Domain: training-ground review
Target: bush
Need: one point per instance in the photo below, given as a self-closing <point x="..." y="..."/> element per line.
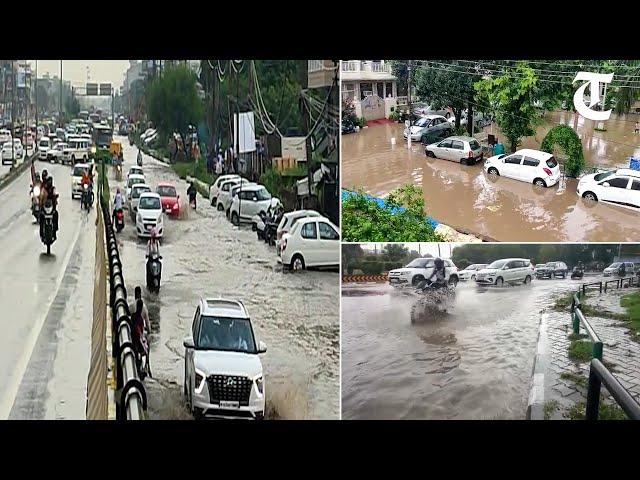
<point x="564" y="136"/>
<point x="394" y="116"/>
<point x="362" y="122"/>
<point x="371" y="268"/>
<point x="350" y="268"/>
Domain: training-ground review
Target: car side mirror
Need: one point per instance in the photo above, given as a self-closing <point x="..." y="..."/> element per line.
<point x="188" y="342"/>
<point x="606" y="184"/>
<point x="262" y="347"/>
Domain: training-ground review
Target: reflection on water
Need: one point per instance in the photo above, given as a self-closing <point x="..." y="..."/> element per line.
<point x="500" y="208"/>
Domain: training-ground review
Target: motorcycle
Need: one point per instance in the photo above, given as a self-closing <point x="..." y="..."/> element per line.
<point x="192" y="203"/>
<point x="435" y="294"/>
<point x="154" y="272"/>
<point x="86" y="201"/>
<point x="118" y="172"/>
<point x="271" y="227"/>
<point x="35" y="201"/>
<point x="119" y="220"/>
<point x="142" y="358"/>
<point x="577" y="273"/>
<point x="47" y="234"/>
<point x="139" y="159"/>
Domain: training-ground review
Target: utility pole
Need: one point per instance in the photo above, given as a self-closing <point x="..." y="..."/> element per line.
<point x="409" y="101"/>
<point x="26" y="108"/>
<point x="60" y="99"/>
<point x="13" y="109"/>
<point x="36" y="99"/>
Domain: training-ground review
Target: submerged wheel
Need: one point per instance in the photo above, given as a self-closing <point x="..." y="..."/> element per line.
<point x="494" y="171"/>
<point x="527" y="280"/>
<point x="430" y="154"/>
<point x="540" y="182"/>
<point x="499" y="282"/>
<point x="297" y="263"/>
<point x="453" y="281"/>
<point x="234" y="218"/>
<point x="590" y="196"/>
<point x="416" y="280"/>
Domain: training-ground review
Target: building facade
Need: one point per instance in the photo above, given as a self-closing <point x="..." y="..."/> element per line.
<point x="370" y="86"/>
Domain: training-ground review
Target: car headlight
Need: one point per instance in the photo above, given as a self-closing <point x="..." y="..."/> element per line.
<point x="199" y="380"/>
<point x="260" y="384"/>
<point x="139" y="218"/>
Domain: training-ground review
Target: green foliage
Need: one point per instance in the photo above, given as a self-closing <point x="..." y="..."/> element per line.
<point x="396" y="251"/>
<point x="606" y="411"/>
<point x="512" y="95"/>
<point x="194" y="169"/>
<point x="549" y="408"/>
<point x="632" y="303"/>
<point x="172" y="101"/>
<point x="371" y="268"/>
<point x="564" y="136"/>
<point x="394" y="116"/>
<point x="581" y="350"/>
<point x="351" y="253"/>
<point x="282" y="185"/>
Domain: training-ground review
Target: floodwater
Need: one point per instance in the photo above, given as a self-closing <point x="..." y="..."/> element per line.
<point x="404" y="360"/>
<point x="296" y="315"/>
<point x="503" y="209"/>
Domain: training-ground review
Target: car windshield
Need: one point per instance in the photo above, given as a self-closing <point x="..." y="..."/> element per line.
<point x="603" y="175"/>
<point x="78" y="171"/>
<point x="136" y="192"/>
<point x="551" y="264"/>
<point x="149" y="203"/>
<point x="539" y="265"/>
<point x="133" y="181"/>
<point x="615" y="265"/>
<point x="498" y="264"/>
<point x="165" y="191"/>
<point x="420" y="263"/>
<point x="230" y="334"/>
<point x="422" y="122"/>
<point x="263" y="194"/>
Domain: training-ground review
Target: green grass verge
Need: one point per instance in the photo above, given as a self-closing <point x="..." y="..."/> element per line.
<point x="580" y="350"/>
<point x="549" y="408"/>
<point x="606" y="411"/>
<point x="577" y="379"/>
<point x="632" y="303"/>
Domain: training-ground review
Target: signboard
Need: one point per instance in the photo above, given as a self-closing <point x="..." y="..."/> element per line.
<point x="294" y="147"/>
<point x="247" y="133"/>
<point x="21" y="78"/>
<point x="92" y="89"/>
<point x="105" y="89"/>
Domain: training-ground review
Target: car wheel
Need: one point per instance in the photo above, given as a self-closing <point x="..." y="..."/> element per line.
<point x="473" y="277"/>
<point x="73" y="159"/>
<point x="540" y="182"/>
<point x="494" y="171"/>
<point x="219" y="207"/>
<point x="453" y="281"/>
<point x="213" y="202"/>
<point x="590" y="196"/>
<point x="430" y="154"/>
<point x="234" y="218"/>
<point x="297" y="263"/>
<point x="527" y="280"/>
<point x="416" y="280"/>
<point x="499" y="282"/>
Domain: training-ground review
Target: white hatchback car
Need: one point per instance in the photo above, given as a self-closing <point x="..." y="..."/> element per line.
<point x="420" y="269"/>
<point x="132" y="180"/>
<point x="132" y="203"/>
<point x="55" y="153"/>
<point x="215" y="187"/>
<point x="76" y="178"/>
<point x="621" y="187"/>
<point x="223" y="376"/>
<point x="312" y="242"/>
<point x="250" y="200"/>
<point x="44" y="144"/>
<point x="287" y="222"/>
<point x="225" y="195"/>
<point x="149" y="215"/>
<point x="507" y="270"/>
<point x="459" y="149"/>
<point x="135" y="170"/>
<point x="469" y="273"/>
<point x="531" y="166"/>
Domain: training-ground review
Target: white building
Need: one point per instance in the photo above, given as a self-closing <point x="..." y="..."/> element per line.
<point x="371" y="86"/>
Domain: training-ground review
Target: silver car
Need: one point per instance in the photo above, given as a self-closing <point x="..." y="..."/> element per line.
<point x="429" y="127"/>
<point x="465" y="150"/>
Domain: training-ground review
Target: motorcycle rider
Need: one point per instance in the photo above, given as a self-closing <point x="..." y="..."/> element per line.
<point x="47" y="192"/>
<point x="117" y="204"/>
<point x="138" y="326"/>
<point x="153" y="247"/>
<point x="139" y="158"/>
<point x="86" y="180"/>
<point x="145" y="312"/>
<point x="191" y="193"/>
<point x="439" y="274"/>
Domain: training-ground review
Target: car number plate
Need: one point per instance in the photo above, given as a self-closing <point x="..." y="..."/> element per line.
<point x="227" y="404"/>
<point x="393" y="280"/>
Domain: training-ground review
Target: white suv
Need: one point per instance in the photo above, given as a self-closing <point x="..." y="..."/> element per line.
<point x="251" y="200"/>
<point x="420" y="269"/>
<point x="149" y="215"/>
<point x="469" y="273"/>
<point x="215" y="187"/>
<point x="507" y="270"/>
<point x="223" y="374"/>
<point x="531" y="166"/>
<point x="620" y="186"/>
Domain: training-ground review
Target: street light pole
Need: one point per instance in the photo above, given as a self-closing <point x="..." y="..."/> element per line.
<point x="60" y="99"/>
<point x="409" y="103"/>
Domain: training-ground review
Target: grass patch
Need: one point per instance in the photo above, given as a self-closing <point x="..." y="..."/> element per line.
<point x="606" y="411"/>
<point x="563" y="302"/>
<point x="580" y="350"/>
<point x="578" y="336"/>
<point x="549" y="408"/>
<point x="577" y="379"/>
<point x="632" y="304"/>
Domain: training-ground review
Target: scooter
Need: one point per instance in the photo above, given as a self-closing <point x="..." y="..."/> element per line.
<point x="47" y="234"/>
<point x="86" y="201"/>
<point x="154" y="272"/>
<point x="119" y="220"/>
<point x="577" y="273"/>
<point x="35" y="201"/>
<point x="118" y="172"/>
<point x="142" y="359"/>
<point x="271" y="228"/>
<point x="139" y="160"/>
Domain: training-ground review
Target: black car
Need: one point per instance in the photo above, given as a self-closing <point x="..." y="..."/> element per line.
<point x="347" y="126"/>
<point x="552" y="270"/>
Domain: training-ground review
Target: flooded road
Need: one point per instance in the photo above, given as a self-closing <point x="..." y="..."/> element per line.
<point x="401" y="360"/>
<point x="500" y="208"/>
<point x="296" y="315"/>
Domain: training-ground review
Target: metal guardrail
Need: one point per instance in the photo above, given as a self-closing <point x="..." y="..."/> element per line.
<point x="579" y="319"/>
<point x="599" y="374"/>
<point x="593" y="285"/>
<point x="131" y="396"/>
<point x="620" y="282"/>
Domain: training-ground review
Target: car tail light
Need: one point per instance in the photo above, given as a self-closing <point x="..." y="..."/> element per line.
<point x="547" y="171"/>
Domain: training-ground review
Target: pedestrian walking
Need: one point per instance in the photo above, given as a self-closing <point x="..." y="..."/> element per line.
<point x="637" y="130"/>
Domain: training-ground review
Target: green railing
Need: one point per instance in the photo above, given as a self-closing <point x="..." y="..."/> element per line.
<point x="579" y="319"/>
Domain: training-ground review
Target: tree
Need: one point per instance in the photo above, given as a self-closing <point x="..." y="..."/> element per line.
<point x="513" y="95"/>
<point x="446" y="86"/>
<point x="401" y="72"/>
<point x="42" y="98"/>
<point x="568" y="140"/>
<point x="350" y="253"/>
<point x="172" y="101"/>
<point x="395" y="251"/>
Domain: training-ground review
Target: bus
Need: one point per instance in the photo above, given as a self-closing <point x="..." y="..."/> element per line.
<point x="84" y="115"/>
<point x="102" y="136"/>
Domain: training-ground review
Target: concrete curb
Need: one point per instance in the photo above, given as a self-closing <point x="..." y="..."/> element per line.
<point x="17" y="171"/>
<point x="535" y="406"/>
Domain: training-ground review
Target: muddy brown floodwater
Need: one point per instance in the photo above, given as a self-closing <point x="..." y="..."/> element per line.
<point x="297" y="315"/>
<point x="500" y="208"/>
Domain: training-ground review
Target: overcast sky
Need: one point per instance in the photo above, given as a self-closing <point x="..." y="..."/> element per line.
<point x="100" y="71"/>
<point x="423" y="248"/>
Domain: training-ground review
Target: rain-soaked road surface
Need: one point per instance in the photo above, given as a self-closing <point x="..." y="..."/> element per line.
<point x="401" y="360"/>
<point x="46" y="305"/>
<point x="500" y="208"/>
<point x="296" y="315"/>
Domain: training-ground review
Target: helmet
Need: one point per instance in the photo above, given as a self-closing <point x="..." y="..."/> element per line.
<point x="44" y="174"/>
<point x="439" y="263"/>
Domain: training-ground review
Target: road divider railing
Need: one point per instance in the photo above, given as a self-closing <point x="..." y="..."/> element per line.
<point x="633" y="281"/>
<point x="599" y="374"/>
<point x="131" y="396"/>
<point x="578" y="320"/>
<point x="365" y="278"/>
<point x="591" y="286"/>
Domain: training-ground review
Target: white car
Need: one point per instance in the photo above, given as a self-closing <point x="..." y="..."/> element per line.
<point x="621" y="187"/>
<point x="434" y="125"/>
<point x="215" y="187"/>
<point x="131" y="181"/>
<point x="77" y="149"/>
<point x="227" y="192"/>
<point x="249" y="201"/>
<point x="469" y="273"/>
<point x="135" y="170"/>
<point x="44" y="144"/>
<point x="5" y="136"/>
<point x="459" y="149"/>
<point x="615" y="268"/>
<point x="223" y="376"/>
<point x="420" y="269"/>
<point x="149" y="215"/>
<point x="287" y="222"/>
<point x="531" y="166"/>
<point x="10" y="154"/>
<point x="507" y="270"/>
<point x="76" y="178"/>
<point x="312" y="242"/>
<point x="55" y="153"/>
<point x="137" y="189"/>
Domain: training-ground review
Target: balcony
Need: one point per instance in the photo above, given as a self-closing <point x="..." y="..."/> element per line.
<point x="365" y="66"/>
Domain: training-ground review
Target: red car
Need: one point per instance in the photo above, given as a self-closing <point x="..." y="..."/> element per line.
<point x="169" y="199"/>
